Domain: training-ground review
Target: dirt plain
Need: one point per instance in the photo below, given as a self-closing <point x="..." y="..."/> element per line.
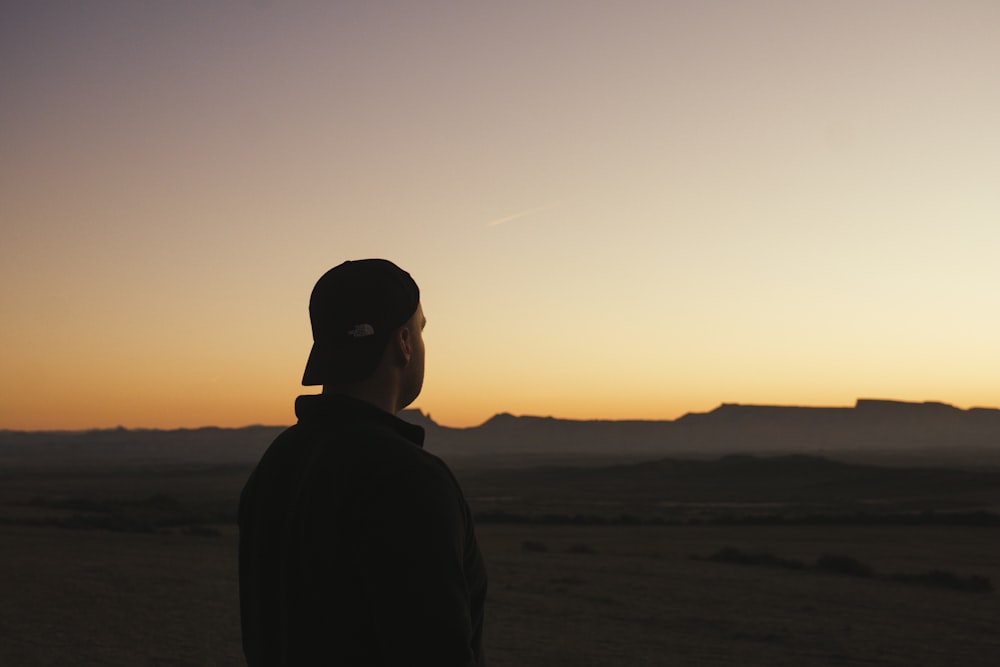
<point x="559" y="594"/>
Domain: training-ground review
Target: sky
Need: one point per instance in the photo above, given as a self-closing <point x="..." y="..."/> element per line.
<point x="614" y="210"/>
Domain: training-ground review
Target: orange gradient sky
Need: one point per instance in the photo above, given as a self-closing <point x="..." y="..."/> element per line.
<point x="614" y="210"/>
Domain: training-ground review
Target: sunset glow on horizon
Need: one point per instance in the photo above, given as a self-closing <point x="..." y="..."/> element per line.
<point x="613" y="210"/>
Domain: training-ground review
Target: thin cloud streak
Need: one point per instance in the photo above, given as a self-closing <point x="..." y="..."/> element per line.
<point x="522" y="214"/>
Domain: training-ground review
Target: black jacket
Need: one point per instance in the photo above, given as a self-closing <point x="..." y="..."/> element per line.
<point x="357" y="547"/>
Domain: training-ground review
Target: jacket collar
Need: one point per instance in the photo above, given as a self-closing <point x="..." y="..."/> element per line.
<point x="337" y="409"/>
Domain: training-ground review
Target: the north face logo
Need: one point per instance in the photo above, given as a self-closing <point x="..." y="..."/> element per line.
<point x="361" y="330"/>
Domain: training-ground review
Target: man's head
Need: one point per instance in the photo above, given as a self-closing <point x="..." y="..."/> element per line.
<point x="364" y="314"/>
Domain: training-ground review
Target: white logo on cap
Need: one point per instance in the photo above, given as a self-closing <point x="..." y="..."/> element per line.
<point x="361" y="330"/>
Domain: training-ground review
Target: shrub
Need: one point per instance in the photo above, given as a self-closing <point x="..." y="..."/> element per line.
<point x="581" y="549"/>
<point x="844" y="565"/>
<point x="733" y="555"/>
<point x="945" y="579"/>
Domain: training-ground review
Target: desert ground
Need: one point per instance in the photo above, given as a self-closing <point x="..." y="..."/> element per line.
<point x="560" y="595"/>
<point x="140" y="590"/>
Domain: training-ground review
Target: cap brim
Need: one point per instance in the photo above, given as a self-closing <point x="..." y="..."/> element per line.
<point x="318" y="361"/>
<point x="326" y="365"/>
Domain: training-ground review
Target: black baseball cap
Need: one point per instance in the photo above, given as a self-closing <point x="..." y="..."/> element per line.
<point x="354" y="308"/>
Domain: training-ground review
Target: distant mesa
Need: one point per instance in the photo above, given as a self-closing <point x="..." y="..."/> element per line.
<point x="885" y="405"/>
<point x="871" y="425"/>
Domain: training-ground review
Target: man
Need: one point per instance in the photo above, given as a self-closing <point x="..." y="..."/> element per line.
<point x="356" y="545"/>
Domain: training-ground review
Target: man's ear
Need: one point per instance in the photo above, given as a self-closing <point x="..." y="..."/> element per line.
<point x="404" y="343"/>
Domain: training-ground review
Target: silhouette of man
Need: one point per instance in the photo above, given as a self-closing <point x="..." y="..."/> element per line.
<point x="356" y="545"/>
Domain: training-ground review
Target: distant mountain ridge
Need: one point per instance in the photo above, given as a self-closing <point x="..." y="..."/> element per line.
<point x="869" y="426"/>
<point x="733" y="428"/>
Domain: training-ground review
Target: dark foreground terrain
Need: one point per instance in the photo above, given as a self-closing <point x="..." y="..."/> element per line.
<point x="137" y="565"/>
<point x="572" y="596"/>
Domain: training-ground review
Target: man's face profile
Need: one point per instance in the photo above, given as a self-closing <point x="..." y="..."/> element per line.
<point x="413" y="380"/>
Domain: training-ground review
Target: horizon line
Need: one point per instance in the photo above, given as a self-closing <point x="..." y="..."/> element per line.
<point x="428" y="416"/>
